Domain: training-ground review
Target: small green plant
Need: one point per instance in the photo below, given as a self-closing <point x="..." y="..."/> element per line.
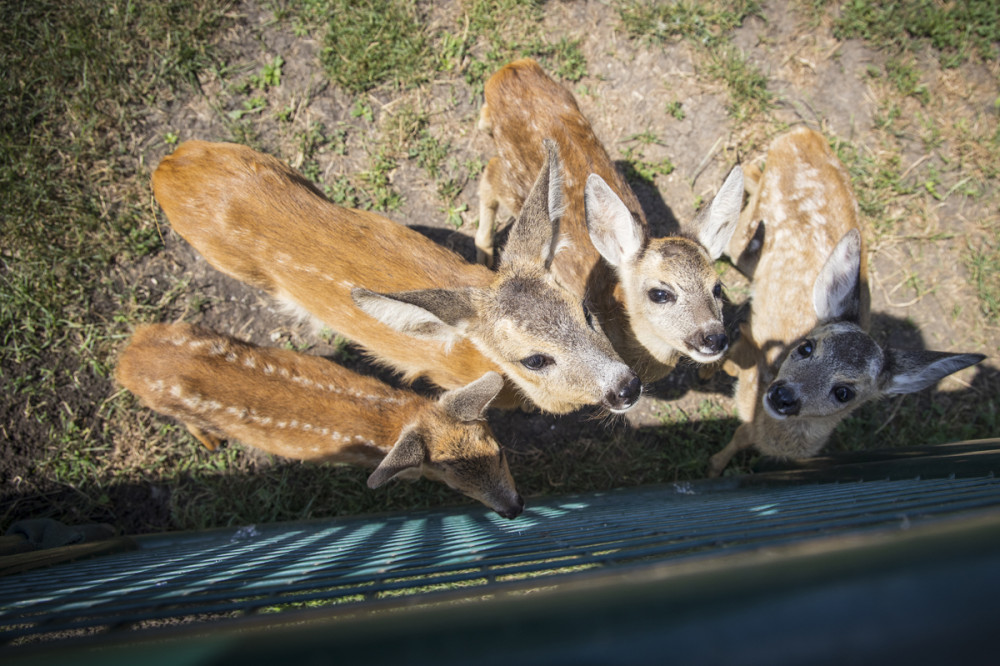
<point x="569" y="62"/>
<point x="453" y="214"/>
<point x="342" y="192"/>
<point x="675" y="110"/>
<point x="252" y="105"/>
<point x="269" y="76"/>
<point x="639" y="170"/>
<point x="362" y="109"/>
<point x="429" y="152"/>
<point x="375" y="183"/>
<point x="906" y="79"/>
<point x="171" y="138"/>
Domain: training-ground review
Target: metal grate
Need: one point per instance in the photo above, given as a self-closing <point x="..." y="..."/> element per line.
<point x="353" y="561"/>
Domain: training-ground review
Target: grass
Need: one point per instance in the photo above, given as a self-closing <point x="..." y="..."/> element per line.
<point x="398" y="86"/>
<point x="707" y="26"/>
<point x="983" y="262"/>
<point x="74" y="206"/>
<point x="373" y="42"/>
<point x="956" y="31"/>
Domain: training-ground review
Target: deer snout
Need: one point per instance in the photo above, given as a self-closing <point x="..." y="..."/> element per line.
<point x="627" y="393"/>
<point x="708" y="344"/>
<point x="514" y="510"/>
<point x="716" y="343"/>
<point x="783" y="399"/>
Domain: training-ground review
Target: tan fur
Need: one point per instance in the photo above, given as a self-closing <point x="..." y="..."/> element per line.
<point x="806" y="340"/>
<point x="523" y="106"/>
<point x="307" y="408"/>
<point x="424" y="311"/>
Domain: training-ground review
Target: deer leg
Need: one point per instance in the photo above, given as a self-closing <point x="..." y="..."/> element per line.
<point x="488" y="204"/>
<point x="210" y="441"/>
<point x="741" y="440"/>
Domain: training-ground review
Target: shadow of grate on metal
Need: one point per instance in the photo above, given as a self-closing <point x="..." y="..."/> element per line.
<point x="210" y="576"/>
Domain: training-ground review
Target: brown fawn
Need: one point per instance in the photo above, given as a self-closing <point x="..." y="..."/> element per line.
<point x="307" y="408"/>
<point x="804" y="360"/>
<point x="415" y="306"/>
<point x="656" y="298"/>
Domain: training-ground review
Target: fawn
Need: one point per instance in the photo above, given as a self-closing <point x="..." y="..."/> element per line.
<point x="307" y="408"/>
<point x="804" y="360"/>
<point x="656" y="298"/>
<point x="415" y="306"/>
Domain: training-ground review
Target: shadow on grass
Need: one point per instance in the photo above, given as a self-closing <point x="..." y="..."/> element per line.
<point x="548" y="455"/>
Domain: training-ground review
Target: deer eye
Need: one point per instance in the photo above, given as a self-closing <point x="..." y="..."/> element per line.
<point x="588" y="316"/>
<point x="662" y="296"/>
<point x="806" y="349"/>
<point x="717" y="290"/>
<point x="843" y="393"/>
<point x="537" y="361"/>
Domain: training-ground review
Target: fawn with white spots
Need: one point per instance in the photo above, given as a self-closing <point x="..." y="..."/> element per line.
<point x="804" y="360"/>
<point x="415" y="306"/>
<point x="307" y="408"/>
<point x="657" y="299"/>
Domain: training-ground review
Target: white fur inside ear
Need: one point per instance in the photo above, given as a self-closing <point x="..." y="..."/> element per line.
<point x="917" y="370"/>
<point x="404" y="317"/>
<point x="835" y="292"/>
<point x="614" y="233"/>
<point x="720" y="220"/>
<point x="557" y="202"/>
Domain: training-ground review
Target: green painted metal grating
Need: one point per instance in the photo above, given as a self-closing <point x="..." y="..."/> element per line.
<point x="232" y="573"/>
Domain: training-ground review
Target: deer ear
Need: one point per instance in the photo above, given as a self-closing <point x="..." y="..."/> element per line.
<point x="433" y="314"/>
<point x="613" y="230"/>
<point x="469" y="402"/>
<point x="911" y="371"/>
<point x="715" y="224"/>
<point x="533" y="236"/>
<point x="837" y="290"/>
<point x="407" y="453"/>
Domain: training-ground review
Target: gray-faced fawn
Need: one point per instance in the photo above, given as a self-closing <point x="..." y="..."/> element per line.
<point x="656" y="298"/>
<point x="415" y="306"/>
<point x="804" y="360"/>
<point x="307" y="408"/>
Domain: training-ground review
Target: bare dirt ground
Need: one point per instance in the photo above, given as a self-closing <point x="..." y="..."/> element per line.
<point x="921" y="290"/>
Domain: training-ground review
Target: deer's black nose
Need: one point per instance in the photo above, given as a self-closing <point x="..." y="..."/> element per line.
<point x="717" y="342"/>
<point x="514" y="510"/>
<point x="626" y="395"/>
<point x="783" y="400"/>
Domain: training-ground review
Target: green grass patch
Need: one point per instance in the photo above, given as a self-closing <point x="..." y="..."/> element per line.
<point x="501" y="31"/>
<point x="81" y="76"/>
<point x="371" y="42"/>
<point x="958" y="30"/>
<point x="877" y="181"/>
<point x="747" y="86"/>
<point x="706" y="25"/>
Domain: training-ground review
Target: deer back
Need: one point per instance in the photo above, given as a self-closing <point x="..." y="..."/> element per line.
<point x="657" y="298"/>
<point x="414" y="305"/>
<point x="805" y="359"/>
<point x="307" y="408"/>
